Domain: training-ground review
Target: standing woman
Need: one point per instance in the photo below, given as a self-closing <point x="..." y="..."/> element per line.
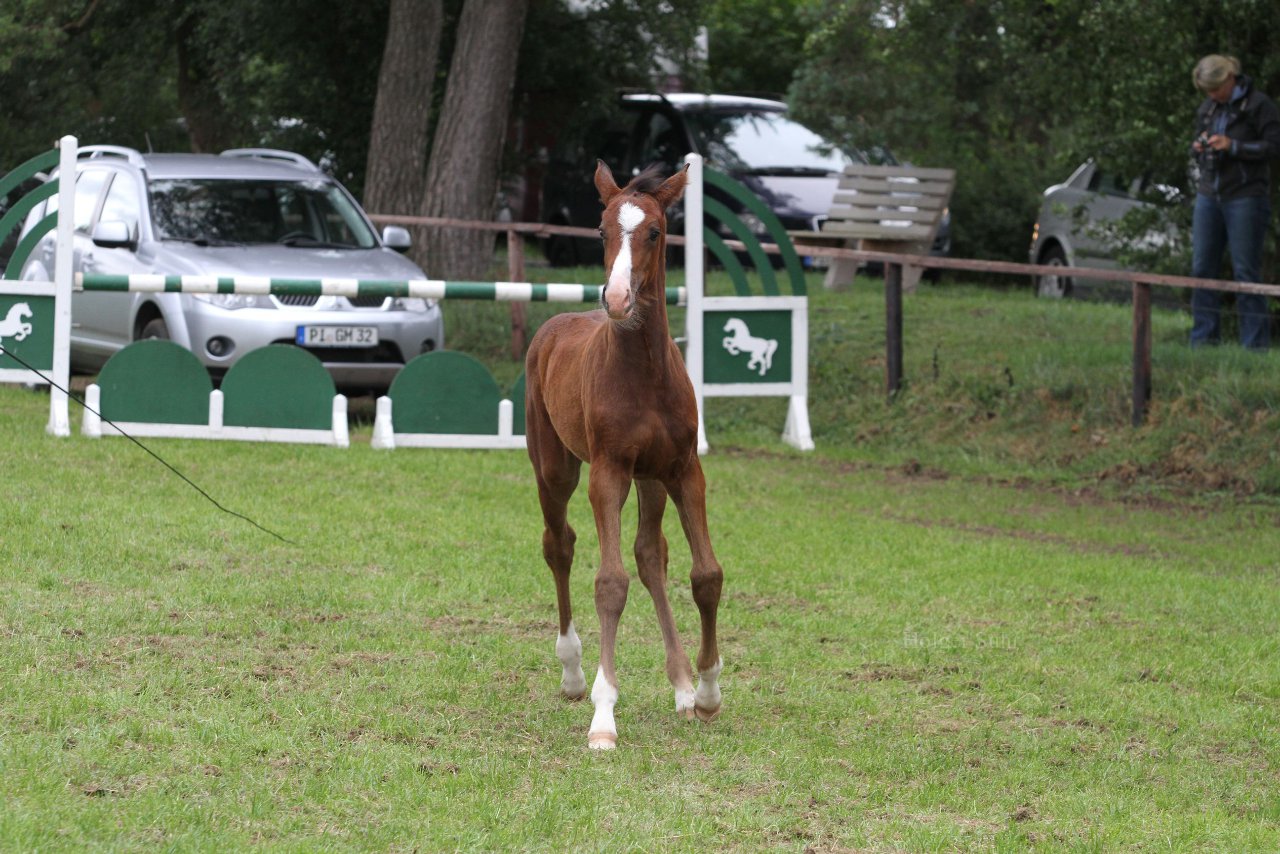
<point x="1237" y="134"/>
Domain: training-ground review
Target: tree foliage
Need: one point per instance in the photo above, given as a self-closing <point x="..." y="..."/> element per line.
<point x="754" y="46"/>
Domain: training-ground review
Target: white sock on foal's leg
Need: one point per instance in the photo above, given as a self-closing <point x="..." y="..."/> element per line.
<point x="684" y="702"/>
<point x="604" y="733"/>
<point x="573" y="682"/>
<point x="706" y="699"/>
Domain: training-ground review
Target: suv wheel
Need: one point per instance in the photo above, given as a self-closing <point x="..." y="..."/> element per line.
<point x="154" y="328"/>
<point x="1052" y="285"/>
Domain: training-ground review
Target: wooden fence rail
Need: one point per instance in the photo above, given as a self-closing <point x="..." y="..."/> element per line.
<point x="893" y="275"/>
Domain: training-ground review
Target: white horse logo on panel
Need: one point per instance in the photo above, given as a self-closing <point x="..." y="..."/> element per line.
<point x="14" y="326"/>
<point x="742" y="341"/>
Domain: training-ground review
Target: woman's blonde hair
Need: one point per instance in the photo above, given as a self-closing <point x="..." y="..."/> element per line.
<point x="1213" y="70"/>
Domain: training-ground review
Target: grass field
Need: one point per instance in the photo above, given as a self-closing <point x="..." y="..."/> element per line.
<point x="939" y="633"/>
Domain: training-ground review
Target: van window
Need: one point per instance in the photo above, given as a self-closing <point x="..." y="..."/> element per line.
<point x="662" y="142"/>
<point x="762" y="140"/>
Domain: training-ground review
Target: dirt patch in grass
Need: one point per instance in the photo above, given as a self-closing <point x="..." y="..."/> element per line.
<point x="881" y="672"/>
<point x="1018" y="534"/>
<point x="455" y="625"/>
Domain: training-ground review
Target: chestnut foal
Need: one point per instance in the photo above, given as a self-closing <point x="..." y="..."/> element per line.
<point x="609" y="388"/>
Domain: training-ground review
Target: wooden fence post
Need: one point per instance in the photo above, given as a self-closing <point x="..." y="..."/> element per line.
<point x="515" y="273"/>
<point x="1141" y="352"/>
<point x="893" y="328"/>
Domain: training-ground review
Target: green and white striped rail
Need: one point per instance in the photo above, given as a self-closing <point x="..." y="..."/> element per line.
<point x="413" y="288"/>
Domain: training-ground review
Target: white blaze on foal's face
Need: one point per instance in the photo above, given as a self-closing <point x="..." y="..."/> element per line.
<point x="617" y="288"/>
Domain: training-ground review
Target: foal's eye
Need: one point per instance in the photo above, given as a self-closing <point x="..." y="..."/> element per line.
<point x="653" y="234"/>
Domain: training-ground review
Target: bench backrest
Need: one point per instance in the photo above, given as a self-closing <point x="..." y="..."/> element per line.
<point x="889" y="202"/>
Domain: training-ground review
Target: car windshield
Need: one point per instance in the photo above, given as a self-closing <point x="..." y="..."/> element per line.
<point x="764" y="140"/>
<point x="221" y="212"/>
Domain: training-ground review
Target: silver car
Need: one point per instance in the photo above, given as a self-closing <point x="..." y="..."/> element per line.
<point x="1069" y="230"/>
<point x="255" y="212"/>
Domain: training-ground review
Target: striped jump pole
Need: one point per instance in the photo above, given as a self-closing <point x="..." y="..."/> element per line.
<point x="416" y="288"/>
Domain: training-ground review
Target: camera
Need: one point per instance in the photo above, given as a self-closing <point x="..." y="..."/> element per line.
<point x="1208" y="155"/>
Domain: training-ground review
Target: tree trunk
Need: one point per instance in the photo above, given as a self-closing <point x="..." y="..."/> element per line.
<point x="395" y="177"/>
<point x="212" y="126"/>
<point x="462" y="176"/>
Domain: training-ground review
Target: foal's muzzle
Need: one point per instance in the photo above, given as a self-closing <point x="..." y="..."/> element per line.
<point x="618" y="301"/>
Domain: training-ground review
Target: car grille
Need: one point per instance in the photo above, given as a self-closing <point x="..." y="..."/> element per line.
<point x="366" y="302"/>
<point x="297" y="299"/>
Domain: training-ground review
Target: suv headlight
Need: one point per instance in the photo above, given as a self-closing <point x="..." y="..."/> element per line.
<point x="234" y="301"/>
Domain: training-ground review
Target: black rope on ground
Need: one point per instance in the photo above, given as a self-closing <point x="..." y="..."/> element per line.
<point x="156" y="456"/>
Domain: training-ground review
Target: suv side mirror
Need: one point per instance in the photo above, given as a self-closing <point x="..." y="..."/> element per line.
<point x="397" y="238"/>
<point x="114" y="234"/>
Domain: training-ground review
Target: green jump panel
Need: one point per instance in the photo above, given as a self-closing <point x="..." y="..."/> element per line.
<point x="773" y="225"/>
<point x="445" y="392"/>
<point x="517" y="405"/>
<point x="155" y="382"/>
<point x="26" y="331"/>
<point x="278" y="386"/>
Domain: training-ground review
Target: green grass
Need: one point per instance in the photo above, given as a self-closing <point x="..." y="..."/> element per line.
<point x="938" y="633"/>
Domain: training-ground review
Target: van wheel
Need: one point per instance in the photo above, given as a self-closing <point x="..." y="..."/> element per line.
<point x="154" y="328"/>
<point x="1050" y="285"/>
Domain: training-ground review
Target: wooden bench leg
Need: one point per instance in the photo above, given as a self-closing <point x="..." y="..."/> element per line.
<point x="841" y="272"/>
<point x="910" y="275"/>
<point x="911" y="278"/>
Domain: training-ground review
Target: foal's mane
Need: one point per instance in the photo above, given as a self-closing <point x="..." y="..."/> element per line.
<point x="647" y="182"/>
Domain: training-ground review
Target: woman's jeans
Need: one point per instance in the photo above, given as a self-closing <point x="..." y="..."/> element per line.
<point x="1239" y="225"/>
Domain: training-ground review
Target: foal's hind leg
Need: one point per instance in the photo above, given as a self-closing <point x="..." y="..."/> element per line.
<point x="651" y="561"/>
<point x="689" y="493"/>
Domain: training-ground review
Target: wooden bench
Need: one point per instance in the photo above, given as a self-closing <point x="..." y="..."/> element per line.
<point x="883" y="209"/>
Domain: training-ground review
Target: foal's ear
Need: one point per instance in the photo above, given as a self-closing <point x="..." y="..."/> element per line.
<point x="672" y="188"/>
<point x="605" y="184"/>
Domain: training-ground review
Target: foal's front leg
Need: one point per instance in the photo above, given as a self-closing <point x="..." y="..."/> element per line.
<point x="608" y="490"/>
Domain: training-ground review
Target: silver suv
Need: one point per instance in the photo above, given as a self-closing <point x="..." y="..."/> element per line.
<point x="257" y="212"/>
<point x="1072" y="228"/>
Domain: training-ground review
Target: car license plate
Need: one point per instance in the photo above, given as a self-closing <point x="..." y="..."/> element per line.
<point x="337" y="336"/>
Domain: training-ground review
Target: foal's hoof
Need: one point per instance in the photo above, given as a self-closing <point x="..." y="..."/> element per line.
<point x="572" y="697"/>
<point x="602" y="740"/>
<point x="706" y="715"/>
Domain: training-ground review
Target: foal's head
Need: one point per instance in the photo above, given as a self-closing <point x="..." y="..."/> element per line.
<point x="634" y="228"/>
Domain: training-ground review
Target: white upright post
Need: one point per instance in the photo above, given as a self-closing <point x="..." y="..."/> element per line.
<point x="59" y="418"/>
<point x="384" y="436"/>
<point x="91" y="423"/>
<point x="693" y="283"/>
<point x="795" y="431"/>
<point x="341" y="433"/>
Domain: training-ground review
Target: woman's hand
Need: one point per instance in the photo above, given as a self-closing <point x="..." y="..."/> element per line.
<point x="1219" y="142"/>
